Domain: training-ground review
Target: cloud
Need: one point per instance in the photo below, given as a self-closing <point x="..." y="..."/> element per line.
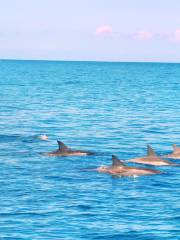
<point x="107" y="31"/>
<point x="104" y="30"/>
<point x="176" y="37"/>
<point x="143" y="35"/>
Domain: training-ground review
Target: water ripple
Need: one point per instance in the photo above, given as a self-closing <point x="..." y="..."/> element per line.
<point x="109" y="108"/>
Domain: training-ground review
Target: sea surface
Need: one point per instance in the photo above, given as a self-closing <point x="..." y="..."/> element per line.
<point x="108" y="108"/>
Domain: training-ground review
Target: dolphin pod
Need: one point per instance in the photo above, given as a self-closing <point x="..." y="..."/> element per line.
<point x="120" y="167"/>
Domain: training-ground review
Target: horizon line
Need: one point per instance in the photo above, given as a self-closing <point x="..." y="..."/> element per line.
<point x="98" y="61"/>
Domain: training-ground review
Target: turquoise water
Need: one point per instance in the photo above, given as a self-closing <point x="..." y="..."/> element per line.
<point x="109" y="108"/>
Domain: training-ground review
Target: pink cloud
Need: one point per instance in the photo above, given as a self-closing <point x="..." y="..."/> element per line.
<point x="176" y="37"/>
<point x="104" y="30"/>
<point x="143" y="35"/>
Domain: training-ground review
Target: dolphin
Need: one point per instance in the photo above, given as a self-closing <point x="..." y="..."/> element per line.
<point x="65" y="151"/>
<point x="151" y="159"/>
<point x="175" y="154"/>
<point x="119" y="167"/>
<point x="43" y="137"/>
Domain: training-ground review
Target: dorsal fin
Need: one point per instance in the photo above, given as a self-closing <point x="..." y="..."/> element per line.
<point x="62" y="146"/>
<point x="175" y="147"/>
<point x="116" y="162"/>
<point x="150" y="151"/>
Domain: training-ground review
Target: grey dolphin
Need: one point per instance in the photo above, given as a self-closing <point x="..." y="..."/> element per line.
<point x="119" y="167"/>
<point x="175" y="154"/>
<point x="152" y="159"/>
<point x="66" y="151"/>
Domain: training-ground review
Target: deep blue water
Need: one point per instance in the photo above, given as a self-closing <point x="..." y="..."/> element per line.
<point x="109" y="108"/>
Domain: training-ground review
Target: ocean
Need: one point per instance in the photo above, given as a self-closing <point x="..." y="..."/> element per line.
<point x="109" y="108"/>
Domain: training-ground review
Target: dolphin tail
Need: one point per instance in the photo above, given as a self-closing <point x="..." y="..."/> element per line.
<point x="175" y="164"/>
<point x="89" y="169"/>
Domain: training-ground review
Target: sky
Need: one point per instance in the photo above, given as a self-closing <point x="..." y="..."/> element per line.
<point x="90" y="30"/>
